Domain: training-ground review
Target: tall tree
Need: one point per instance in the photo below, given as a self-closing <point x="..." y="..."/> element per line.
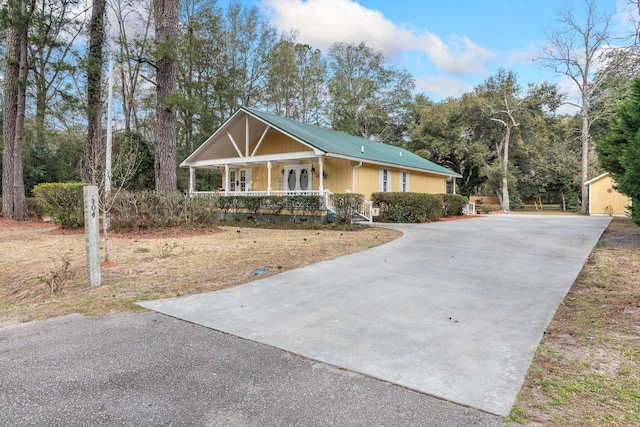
<point x="619" y="150"/>
<point x="445" y="133"/>
<point x="504" y="106"/>
<point x="575" y="50"/>
<point x="165" y="15"/>
<point x="95" y="60"/>
<point x="367" y="97"/>
<point x="55" y="26"/>
<point x="295" y="80"/>
<point x="18" y="14"/>
<point x="133" y="18"/>
<point x="200" y="50"/>
<point x="248" y="40"/>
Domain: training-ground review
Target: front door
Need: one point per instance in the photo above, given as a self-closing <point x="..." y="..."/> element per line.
<point x="240" y="180"/>
<point x="298" y="178"/>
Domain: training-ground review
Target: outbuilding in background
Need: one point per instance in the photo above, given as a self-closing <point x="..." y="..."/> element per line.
<point x="604" y="199"/>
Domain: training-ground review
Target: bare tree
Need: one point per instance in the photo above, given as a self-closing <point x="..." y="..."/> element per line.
<point x="133" y="18"/>
<point x="165" y="14"/>
<point x="576" y="50"/>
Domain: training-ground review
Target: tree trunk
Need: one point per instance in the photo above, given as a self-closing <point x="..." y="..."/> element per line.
<point x="13" y="197"/>
<point x="584" y="137"/>
<point x="91" y="172"/>
<point x="504" y="200"/>
<point x="165" y="14"/>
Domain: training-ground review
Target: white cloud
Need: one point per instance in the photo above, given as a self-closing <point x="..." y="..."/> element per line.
<point x="442" y="87"/>
<point x="323" y="22"/>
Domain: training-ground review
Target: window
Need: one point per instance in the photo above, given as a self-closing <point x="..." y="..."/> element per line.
<point x="385" y="180"/>
<point x="404" y="181"/>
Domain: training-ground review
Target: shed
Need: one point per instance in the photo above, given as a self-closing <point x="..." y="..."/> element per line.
<point x="604" y="199"/>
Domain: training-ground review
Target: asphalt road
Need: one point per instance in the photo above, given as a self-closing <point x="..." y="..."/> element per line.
<point x="148" y="369"/>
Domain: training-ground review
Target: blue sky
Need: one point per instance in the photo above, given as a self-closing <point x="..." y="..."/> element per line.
<point x="449" y="46"/>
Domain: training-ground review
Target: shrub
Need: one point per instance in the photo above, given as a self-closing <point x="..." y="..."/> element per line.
<point x="252" y="204"/>
<point x="273" y="205"/>
<point x="199" y="210"/>
<point x="453" y="204"/>
<point x="346" y="204"/>
<point x="408" y="207"/>
<point x="270" y="205"/>
<point x="489" y="208"/>
<point x="62" y="202"/>
<point x="33" y="208"/>
<point x="141" y="210"/>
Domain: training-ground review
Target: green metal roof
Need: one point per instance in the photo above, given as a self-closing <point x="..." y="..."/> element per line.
<point x="342" y="144"/>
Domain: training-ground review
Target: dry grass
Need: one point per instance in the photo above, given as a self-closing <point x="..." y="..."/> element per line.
<point x="587" y="368"/>
<point x="150" y="267"/>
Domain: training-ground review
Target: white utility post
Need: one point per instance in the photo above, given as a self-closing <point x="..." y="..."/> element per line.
<point x="92" y="233"/>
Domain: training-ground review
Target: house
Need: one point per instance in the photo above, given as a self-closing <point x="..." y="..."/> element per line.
<point x="604" y="199"/>
<point x="264" y="154"/>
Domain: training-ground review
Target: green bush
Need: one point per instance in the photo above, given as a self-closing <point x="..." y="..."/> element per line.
<point x="62" y="202"/>
<point x="199" y="210"/>
<point x="453" y="204"/>
<point x="408" y="207"/>
<point x="347" y="204"/>
<point x="488" y="208"/>
<point x="142" y="210"/>
<point x="272" y="205"/>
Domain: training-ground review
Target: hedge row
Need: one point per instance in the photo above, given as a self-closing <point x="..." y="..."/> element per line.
<point x="147" y="209"/>
<point x="269" y="205"/>
<point x="142" y="210"/>
<point x="417" y="207"/>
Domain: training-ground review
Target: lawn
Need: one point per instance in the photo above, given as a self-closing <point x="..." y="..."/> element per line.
<point x="587" y="368"/>
<point x="38" y="258"/>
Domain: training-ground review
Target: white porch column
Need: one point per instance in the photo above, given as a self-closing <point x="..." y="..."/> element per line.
<point x="454" y="185"/>
<point x="269" y="177"/>
<point x="226" y="178"/>
<point x="321" y="167"/>
<point x="192" y="180"/>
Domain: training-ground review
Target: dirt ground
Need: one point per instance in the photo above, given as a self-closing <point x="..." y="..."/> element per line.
<point x="152" y="265"/>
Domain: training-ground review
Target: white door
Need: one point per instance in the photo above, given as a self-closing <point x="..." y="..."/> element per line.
<point x="245" y="180"/>
<point x="240" y="180"/>
<point x="298" y="178"/>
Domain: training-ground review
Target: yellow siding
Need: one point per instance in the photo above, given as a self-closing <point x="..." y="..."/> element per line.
<point x="338" y="172"/>
<point x="605" y="199"/>
<point x="367" y="181"/>
<point x="275" y="142"/>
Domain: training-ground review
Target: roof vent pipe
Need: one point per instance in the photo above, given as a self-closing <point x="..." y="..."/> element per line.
<point x="362" y="148"/>
<point x="401" y="154"/>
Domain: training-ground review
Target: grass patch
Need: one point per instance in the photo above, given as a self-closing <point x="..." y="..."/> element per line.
<point x="587" y="368"/>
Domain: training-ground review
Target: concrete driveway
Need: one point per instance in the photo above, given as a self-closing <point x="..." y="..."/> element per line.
<point x="452" y="309"/>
